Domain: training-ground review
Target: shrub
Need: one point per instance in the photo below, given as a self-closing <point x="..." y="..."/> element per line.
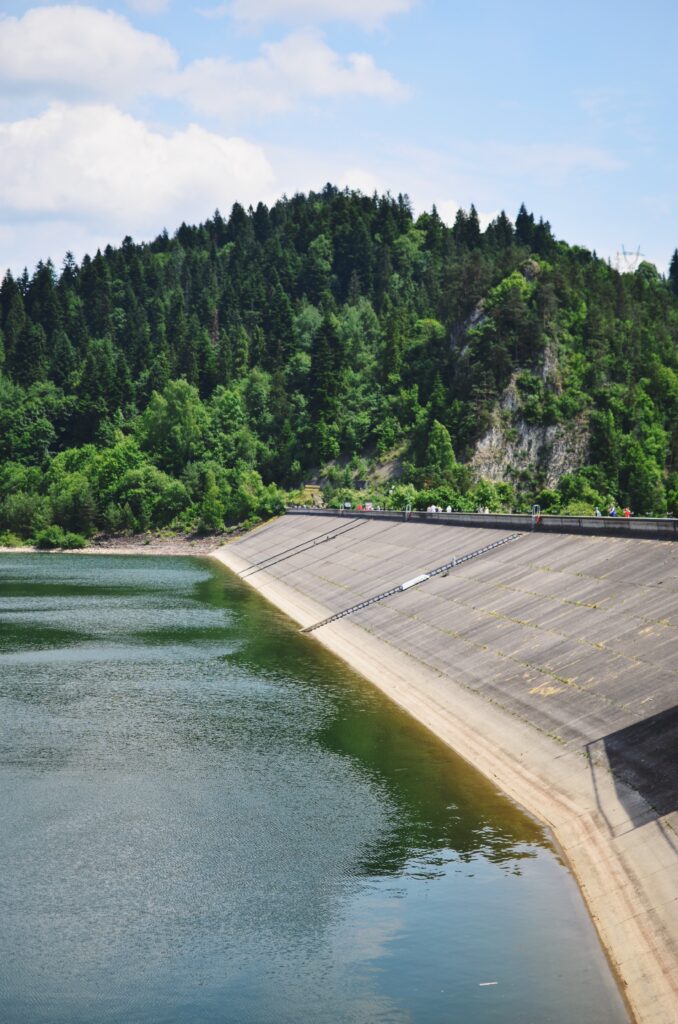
<point x="549" y="500"/>
<point x="73" y="502"/>
<point x="74" y="541"/>
<point x="23" y="513"/>
<point x="577" y="508"/>
<point x="9" y="539"/>
<point x="56" y="537"/>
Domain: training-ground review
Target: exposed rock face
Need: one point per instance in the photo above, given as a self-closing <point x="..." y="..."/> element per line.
<point x="550" y="451"/>
<point x="511" y="445"/>
<point x="530" y="270"/>
<point x="476" y="319"/>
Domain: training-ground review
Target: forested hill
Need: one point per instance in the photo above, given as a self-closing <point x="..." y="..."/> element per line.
<point x="183" y="382"/>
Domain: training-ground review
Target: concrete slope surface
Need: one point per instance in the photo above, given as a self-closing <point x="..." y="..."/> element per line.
<point x="550" y="663"/>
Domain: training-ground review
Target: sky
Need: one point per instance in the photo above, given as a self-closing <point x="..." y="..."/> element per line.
<point x="125" y="117"/>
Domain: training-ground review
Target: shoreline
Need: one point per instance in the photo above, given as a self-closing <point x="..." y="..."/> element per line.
<point x="136" y="544"/>
<point x="623" y="868"/>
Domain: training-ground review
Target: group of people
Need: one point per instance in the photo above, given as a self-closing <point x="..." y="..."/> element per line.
<point x="612" y="511"/>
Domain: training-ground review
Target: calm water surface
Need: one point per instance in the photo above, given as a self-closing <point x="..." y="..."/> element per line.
<point x="204" y="817"/>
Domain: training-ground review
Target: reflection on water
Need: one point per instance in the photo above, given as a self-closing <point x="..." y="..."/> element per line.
<point x="204" y="817"/>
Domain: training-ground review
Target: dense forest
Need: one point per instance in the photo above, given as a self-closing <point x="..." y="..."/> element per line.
<point x="202" y="379"/>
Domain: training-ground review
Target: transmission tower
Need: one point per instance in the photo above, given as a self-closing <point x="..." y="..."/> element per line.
<point x="627" y="262"/>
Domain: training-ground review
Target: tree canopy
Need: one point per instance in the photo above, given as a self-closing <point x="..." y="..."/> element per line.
<point x="188" y="380"/>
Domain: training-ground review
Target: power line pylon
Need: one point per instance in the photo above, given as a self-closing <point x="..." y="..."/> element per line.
<point x="627" y="262"/>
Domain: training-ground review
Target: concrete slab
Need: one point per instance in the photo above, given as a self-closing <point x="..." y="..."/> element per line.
<point x="552" y="664"/>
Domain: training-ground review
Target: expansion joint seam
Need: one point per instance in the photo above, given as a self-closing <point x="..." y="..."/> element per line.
<point x="503" y="656"/>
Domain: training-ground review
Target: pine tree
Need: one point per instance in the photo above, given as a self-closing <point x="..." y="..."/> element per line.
<point x="31" y="361"/>
<point x="95" y="289"/>
<point x="261" y="223"/>
<point x="500" y="231"/>
<point x="472" y="235"/>
<point x="542" y="239"/>
<point x="438" y="401"/>
<point x="14" y="320"/>
<point x="63" y="361"/>
<point x="459" y="226"/>
<point x="325" y="367"/>
<point x="440" y="458"/>
<point x="395" y="328"/>
<point x="211" y="507"/>
<point x="42" y="303"/>
<point x="673" y="272"/>
<point x="524" y="227"/>
<point x="280" y="327"/>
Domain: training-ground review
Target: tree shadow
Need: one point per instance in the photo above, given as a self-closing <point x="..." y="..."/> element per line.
<point x="645" y="757"/>
<point x="643" y="761"/>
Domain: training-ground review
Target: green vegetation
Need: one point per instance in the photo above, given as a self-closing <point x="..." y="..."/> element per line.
<point x="188" y="383"/>
<point x="55" y="537"/>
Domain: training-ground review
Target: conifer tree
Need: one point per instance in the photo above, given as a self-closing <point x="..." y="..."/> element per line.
<point x="673" y="272"/>
<point x="440" y="457"/>
<point x="325" y="367"/>
<point x="212" y="508"/>
<point x="472" y="233"/>
<point x="524" y="226"/>
<point x="14" y="321"/>
<point x="500" y="231"/>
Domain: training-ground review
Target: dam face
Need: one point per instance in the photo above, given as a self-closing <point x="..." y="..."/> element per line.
<point x="550" y="661"/>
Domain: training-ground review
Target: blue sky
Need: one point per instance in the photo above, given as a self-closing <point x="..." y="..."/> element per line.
<point x="127" y="116"/>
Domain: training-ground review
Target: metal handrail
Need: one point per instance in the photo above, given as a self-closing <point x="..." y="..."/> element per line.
<point x="637" y="527"/>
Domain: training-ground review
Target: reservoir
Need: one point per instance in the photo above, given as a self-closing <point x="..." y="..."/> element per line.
<point x="205" y="817"/>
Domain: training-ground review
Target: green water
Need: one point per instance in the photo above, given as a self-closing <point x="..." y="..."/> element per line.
<point x="206" y="818"/>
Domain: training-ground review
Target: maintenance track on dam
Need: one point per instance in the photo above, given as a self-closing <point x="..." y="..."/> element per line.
<point x="548" y="660"/>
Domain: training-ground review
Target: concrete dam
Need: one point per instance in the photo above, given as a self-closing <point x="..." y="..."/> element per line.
<point x="549" y="660"/>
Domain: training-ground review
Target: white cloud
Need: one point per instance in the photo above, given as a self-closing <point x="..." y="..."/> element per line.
<point x="148" y="6"/>
<point x="59" y="49"/>
<point x="97" y="159"/>
<point x="101" y="171"/>
<point x="361" y="179"/>
<point x="554" y="161"/>
<point x="301" y="65"/>
<point x="220" y="11"/>
<point x="447" y="208"/>
<point x="367" y="13"/>
<point x="75" y="51"/>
